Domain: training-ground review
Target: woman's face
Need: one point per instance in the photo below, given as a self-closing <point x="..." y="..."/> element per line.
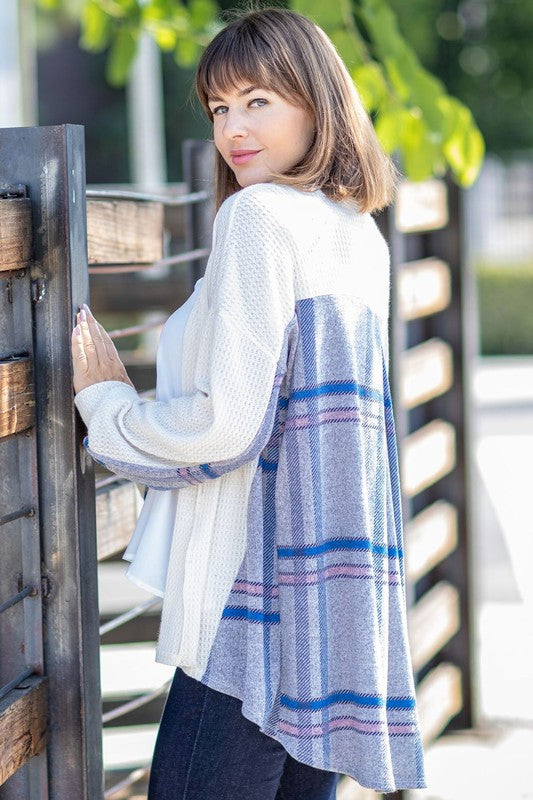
<point x="257" y="132"/>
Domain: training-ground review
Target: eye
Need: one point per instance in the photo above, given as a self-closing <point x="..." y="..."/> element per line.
<point x="216" y="110"/>
<point x="260" y="100"/>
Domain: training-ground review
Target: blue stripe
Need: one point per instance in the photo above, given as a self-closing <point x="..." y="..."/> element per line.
<point x="208" y="470"/>
<point x="344" y="544"/>
<point x="268" y="466"/>
<point x="371" y="701"/>
<point x="241" y="611"/>
<point x="337" y="388"/>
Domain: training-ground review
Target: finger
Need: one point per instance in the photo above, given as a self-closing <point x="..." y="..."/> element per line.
<point x="79" y="356"/>
<point x="104" y="346"/>
<point x="87" y="340"/>
<point x="79" y="359"/>
<point x="109" y="345"/>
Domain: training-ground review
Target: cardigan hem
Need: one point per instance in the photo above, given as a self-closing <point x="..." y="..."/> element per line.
<point x="341" y="769"/>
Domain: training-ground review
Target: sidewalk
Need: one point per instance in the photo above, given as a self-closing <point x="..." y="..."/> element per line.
<point x="494" y="762"/>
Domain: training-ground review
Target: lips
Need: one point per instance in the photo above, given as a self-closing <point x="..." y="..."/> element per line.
<point x="242" y="156"/>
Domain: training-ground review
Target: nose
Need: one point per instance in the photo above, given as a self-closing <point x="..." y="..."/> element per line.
<point x="234" y="124"/>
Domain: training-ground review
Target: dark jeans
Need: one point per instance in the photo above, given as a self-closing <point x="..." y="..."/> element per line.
<point x="207" y="750"/>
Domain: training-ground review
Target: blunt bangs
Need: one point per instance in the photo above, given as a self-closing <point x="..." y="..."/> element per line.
<point x="240" y="55"/>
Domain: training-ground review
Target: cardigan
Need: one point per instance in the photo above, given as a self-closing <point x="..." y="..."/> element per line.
<point x="283" y="448"/>
<point x="151" y="541"/>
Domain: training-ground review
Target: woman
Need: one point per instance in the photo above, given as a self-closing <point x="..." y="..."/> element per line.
<point x="282" y="564"/>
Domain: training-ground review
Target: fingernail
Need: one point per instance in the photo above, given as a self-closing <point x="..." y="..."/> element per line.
<point x="77" y="330"/>
<point x="86" y="308"/>
<point x="82" y="315"/>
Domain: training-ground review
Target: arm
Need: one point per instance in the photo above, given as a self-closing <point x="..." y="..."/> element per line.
<point x="226" y="419"/>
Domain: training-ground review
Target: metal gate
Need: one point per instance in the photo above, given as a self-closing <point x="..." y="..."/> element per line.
<point x="49" y="643"/>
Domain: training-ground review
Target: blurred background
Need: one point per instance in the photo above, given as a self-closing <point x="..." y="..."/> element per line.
<point x="137" y="108"/>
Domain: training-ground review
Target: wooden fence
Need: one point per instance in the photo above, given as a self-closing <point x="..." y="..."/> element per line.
<point x="58" y="522"/>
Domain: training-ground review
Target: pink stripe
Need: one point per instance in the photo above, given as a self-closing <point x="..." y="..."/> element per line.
<point x="338" y="723"/>
<point x="256" y="589"/>
<point x="334" y="571"/>
<point x="328" y="415"/>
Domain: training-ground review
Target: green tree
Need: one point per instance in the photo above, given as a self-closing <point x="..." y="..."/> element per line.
<point x="482" y="51"/>
<point x="414" y="115"/>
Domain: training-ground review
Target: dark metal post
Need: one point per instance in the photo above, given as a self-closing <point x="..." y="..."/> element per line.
<point x="454" y="325"/>
<point x="199" y="169"/>
<point x="51" y="162"/>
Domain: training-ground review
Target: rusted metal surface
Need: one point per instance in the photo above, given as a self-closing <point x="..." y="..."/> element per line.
<point x="52" y="163"/>
<point x="21" y="655"/>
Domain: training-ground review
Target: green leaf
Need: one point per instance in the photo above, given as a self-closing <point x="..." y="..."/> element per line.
<point x="371" y="85"/>
<point x="95" y="28"/>
<point x="421" y="156"/>
<point x="388" y="128"/>
<point x="202" y="13"/>
<point x="327" y="14"/>
<point x="121" y="56"/>
<point x="464" y="147"/>
<point x="187" y="52"/>
<point x="348" y="47"/>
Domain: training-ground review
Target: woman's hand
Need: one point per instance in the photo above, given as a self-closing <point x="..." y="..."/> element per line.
<point x="94" y="356"/>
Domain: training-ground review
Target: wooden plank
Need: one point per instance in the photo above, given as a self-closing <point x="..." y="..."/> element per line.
<point x="430" y="537"/>
<point x="432" y="622"/>
<point x="421" y="206"/>
<point x="15" y="233"/>
<point x="22" y="725"/>
<point x="426" y="456"/>
<point x="426" y="371"/>
<point x="17" y="398"/>
<point x="439" y="698"/>
<point x="124" y="231"/>
<point x="424" y="287"/>
<point x="117" y="509"/>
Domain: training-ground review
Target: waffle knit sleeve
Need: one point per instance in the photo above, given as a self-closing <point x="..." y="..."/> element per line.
<point x="226" y="419"/>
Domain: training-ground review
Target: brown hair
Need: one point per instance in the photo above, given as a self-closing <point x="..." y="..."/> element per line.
<point x="282" y="50"/>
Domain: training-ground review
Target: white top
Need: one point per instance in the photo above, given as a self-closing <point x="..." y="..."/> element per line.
<point x="272" y="246"/>
<point x="149" y="547"/>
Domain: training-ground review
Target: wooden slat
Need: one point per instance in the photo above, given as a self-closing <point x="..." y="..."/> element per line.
<point x="424" y="287"/>
<point x="117" y="510"/>
<point x="426" y="371"/>
<point x="15" y="233"/>
<point x="421" y="206"/>
<point x="124" y="231"/>
<point x="433" y="621"/>
<point x="426" y="456"/>
<point x="439" y="698"/>
<point x="17" y="398"/>
<point x="430" y="537"/>
<point x="22" y="725"/>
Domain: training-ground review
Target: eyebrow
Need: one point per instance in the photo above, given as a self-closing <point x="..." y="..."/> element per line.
<point x="213" y="99"/>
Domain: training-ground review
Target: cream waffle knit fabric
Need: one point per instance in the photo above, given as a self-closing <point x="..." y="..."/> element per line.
<point x="272" y="245"/>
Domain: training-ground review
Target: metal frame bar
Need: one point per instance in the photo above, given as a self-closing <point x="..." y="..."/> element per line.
<point x="131" y="705"/>
<point x="127" y="616"/>
<point x="51" y="160"/>
<point x="7" y="687"/>
<point x="166" y="200"/>
<point x="28" y="591"/>
<point x="27" y="511"/>
<point x="134" y="777"/>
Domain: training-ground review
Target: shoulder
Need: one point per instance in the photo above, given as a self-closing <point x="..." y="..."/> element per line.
<point x="262" y="204"/>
